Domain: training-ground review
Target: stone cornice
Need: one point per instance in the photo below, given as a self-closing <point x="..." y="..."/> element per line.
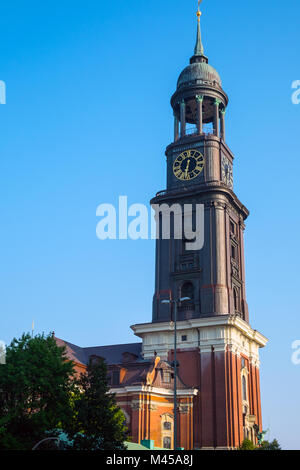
<point x="154" y="391"/>
<point x="217" y="188"/>
<point x="220" y="334"/>
<point x="220" y="320"/>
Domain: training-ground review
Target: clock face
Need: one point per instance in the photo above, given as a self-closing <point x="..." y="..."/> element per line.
<point x="188" y="165"/>
<point x="227" y="172"/>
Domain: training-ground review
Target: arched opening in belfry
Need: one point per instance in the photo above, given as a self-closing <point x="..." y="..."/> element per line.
<point x="187" y="290"/>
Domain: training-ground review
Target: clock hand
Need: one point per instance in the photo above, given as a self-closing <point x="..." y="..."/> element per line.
<point x="187" y="167"/>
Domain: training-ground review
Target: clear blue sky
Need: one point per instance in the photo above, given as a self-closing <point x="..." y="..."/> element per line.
<point x="87" y="119"/>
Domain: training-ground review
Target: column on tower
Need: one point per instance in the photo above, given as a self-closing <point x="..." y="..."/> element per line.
<point x="176" y="128"/>
<point x="182" y="119"/>
<point x="222" y="115"/>
<point x="221" y="291"/>
<point x="217" y="117"/>
<point x="199" y="99"/>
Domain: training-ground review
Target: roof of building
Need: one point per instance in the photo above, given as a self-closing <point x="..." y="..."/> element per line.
<point x="134" y="446"/>
<point x="128" y="357"/>
<point x="112" y="354"/>
<point x="197" y="73"/>
<point x="73" y="352"/>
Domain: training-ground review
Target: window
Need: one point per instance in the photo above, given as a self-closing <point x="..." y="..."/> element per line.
<point x="244" y="386"/>
<point x="233" y="251"/>
<point x="167" y="431"/>
<point x="187" y="290"/>
<point x="167" y="443"/>
<point x="184" y="338"/>
<point x="167" y="376"/>
<point x="232" y="227"/>
<point x="116" y="377"/>
<point x="236" y="299"/>
<point x="187" y="266"/>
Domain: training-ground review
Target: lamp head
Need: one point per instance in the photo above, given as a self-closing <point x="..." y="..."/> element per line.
<point x="184" y="299"/>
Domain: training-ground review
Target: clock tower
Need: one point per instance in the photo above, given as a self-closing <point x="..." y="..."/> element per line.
<point x="200" y="171"/>
<point x="218" y="351"/>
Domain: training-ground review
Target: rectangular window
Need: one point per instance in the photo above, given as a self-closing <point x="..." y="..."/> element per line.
<point x="167" y="377"/>
<point x="116" y="377"/>
<point x="184" y="338"/>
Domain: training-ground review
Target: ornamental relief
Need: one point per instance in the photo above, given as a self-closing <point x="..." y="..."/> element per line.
<point x="184" y="409"/>
<point x="136" y="406"/>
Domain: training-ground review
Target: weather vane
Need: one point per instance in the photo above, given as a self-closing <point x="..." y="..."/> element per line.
<point x="199" y="12"/>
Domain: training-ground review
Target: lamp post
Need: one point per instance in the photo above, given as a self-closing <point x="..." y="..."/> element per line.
<point x="56" y="439"/>
<point x="175" y="303"/>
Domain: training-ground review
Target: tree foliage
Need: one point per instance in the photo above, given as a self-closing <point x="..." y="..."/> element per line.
<point x="99" y="423"/>
<point x="266" y="445"/>
<point x="36" y="385"/>
<point x="248" y="445"/>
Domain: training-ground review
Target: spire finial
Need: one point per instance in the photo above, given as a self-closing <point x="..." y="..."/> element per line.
<point x="199" y="46"/>
<point x="199" y="13"/>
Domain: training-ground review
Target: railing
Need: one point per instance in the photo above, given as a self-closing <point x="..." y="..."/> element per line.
<point x="188" y="308"/>
<point x="191" y="130"/>
<point x="179" y="190"/>
<point x="207" y="130"/>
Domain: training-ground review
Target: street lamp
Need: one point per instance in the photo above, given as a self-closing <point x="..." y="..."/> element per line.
<point x="175" y="302"/>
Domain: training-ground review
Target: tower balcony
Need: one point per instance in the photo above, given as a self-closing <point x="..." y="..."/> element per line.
<point x="207" y="130"/>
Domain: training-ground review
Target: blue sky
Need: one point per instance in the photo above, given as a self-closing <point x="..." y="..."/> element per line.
<point x="88" y="118"/>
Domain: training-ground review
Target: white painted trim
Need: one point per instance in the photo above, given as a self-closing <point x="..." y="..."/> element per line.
<point x="220" y="320"/>
<point x="223" y="333"/>
<point x="154" y="391"/>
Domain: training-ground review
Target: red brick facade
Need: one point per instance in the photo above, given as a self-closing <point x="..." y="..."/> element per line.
<point x="218" y="386"/>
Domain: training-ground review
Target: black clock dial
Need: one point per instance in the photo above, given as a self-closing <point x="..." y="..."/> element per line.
<point x="188" y="165"/>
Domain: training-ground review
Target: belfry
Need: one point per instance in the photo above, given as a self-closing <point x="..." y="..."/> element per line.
<point x="218" y="385"/>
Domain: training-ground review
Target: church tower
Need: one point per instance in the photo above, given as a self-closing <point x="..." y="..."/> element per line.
<point x="200" y="171"/>
<point x="218" y="351"/>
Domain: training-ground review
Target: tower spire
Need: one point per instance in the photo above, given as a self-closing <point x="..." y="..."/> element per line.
<point x="199" y="50"/>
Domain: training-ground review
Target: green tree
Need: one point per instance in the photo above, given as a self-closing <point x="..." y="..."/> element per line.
<point x="36" y="386"/>
<point x="99" y="423"/>
<point x="247" y="445"/>
<point x="266" y="445"/>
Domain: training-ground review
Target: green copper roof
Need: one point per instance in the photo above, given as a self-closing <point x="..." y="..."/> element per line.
<point x="198" y="73"/>
<point x="199" y="50"/>
<point x="134" y="446"/>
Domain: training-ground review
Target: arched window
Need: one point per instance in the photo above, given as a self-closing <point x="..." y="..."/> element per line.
<point x="244" y="387"/>
<point x="187" y="290"/>
<point x="167" y="431"/>
<point x="167" y="442"/>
